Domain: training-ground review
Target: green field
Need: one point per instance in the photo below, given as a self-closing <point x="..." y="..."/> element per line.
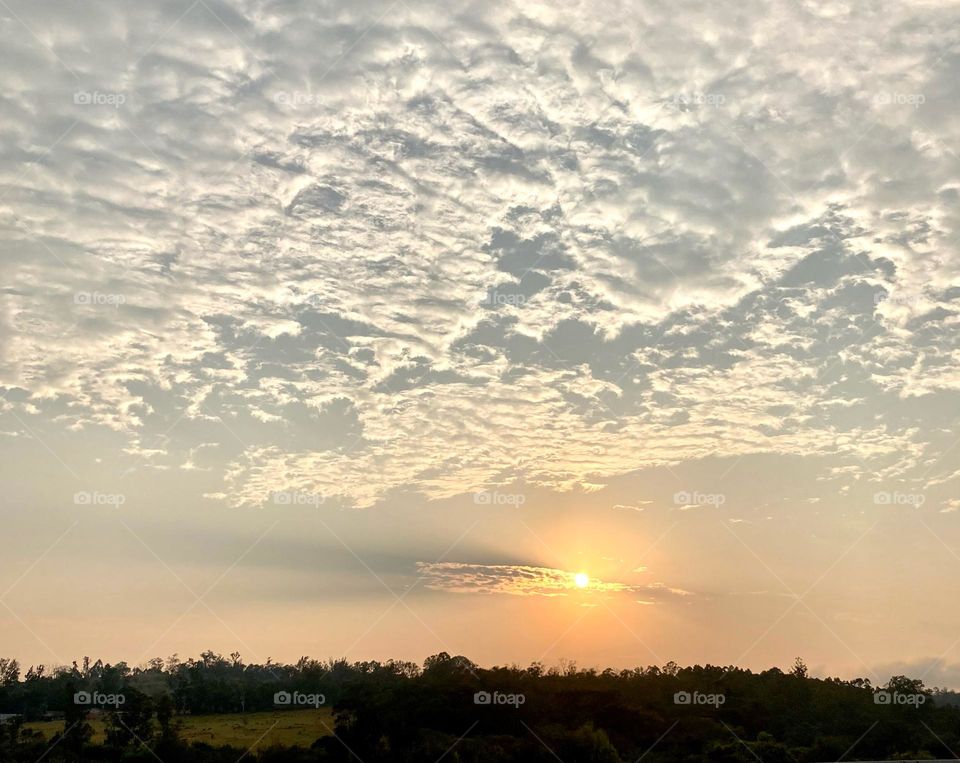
<point x="243" y="730"/>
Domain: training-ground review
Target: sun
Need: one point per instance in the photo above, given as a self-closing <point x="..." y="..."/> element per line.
<point x="581" y="579"/>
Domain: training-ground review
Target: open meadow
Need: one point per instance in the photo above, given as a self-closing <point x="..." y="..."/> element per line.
<point x="244" y="730"/>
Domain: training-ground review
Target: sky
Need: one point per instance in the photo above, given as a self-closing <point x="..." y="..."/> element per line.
<point x="358" y="329"/>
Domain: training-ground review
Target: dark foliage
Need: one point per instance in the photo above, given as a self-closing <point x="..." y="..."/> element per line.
<point x="395" y="712"/>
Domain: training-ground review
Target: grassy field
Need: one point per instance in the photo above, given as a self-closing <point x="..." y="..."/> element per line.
<point x="244" y="730"/>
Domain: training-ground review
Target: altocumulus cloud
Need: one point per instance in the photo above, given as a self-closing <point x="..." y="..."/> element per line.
<point x="353" y="248"/>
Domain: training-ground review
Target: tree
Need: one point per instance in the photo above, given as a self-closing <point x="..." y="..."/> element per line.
<point x="799" y="669"/>
<point x="131" y="725"/>
<point x="9" y="672"/>
<point x="76" y="731"/>
<point x="589" y="745"/>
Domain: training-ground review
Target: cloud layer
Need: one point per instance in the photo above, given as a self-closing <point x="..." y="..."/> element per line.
<point x="524" y="580"/>
<point x="357" y="250"/>
<point x="514" y="260"/>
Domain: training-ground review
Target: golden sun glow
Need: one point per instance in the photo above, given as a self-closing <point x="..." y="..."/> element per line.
<point x="581" y="579"/>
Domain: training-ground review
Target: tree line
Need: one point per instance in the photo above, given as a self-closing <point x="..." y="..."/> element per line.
<point x="450" y="708"/>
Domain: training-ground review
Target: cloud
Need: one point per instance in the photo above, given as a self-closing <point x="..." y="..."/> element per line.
<point x="522" y="580"/>
<point x="385" y="258"/>
<point x="492" y="245"/>
<point x="933" y="671"/>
